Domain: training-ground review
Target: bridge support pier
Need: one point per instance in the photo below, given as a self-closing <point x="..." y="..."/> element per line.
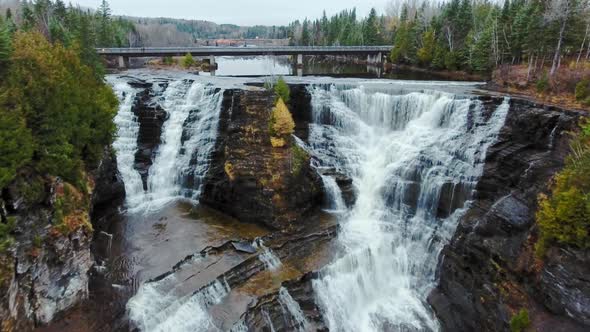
<point x="378" y="59"/>
<point x="123" y="62"/>
<point x="212" y="65"/>
<point x="299" y="60"/>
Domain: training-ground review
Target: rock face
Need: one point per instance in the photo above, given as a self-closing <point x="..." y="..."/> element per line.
<point x="151" y="118"/>
<point x="45" y="272"/>
<point x="489" y="270"/>
<point x="248" y="178"/>
<point x="109" y="189"/>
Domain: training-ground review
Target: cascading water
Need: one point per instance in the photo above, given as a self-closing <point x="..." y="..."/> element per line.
<point x="187" y="140"/>
<point x="125" y="144"/>
<point x="291" y="309"/>
<point x="192" y="126"/>
<point x="414" y="159"/>
<point x="159" y="307"/>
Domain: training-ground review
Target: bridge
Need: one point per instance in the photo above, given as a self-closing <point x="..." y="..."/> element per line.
<point x="374" y="53"/>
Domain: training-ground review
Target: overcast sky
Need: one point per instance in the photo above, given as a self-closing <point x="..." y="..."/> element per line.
<point x="241" y="12"/>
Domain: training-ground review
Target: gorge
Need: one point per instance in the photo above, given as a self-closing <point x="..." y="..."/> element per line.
<point x="398" y="206"/>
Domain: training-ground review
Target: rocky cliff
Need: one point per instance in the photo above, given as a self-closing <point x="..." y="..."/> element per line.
<point x="45" y="269"/>
<point x="248" y="178"/>
<point x="489" y="271"/>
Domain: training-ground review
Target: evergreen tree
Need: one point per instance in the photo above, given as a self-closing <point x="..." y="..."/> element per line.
<point x="371" y="34"/>
<point x="426" y="52"/>
<point x="4" y="44"/>
<point x="105" y="31"/>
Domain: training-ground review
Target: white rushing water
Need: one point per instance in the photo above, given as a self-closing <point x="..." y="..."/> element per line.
<point x="157" y="307"/>
<point x="291" y="309"/>
<point x="407" y="155"/>
<point x="125" y="144"/>
<point x="270" y="260"/>
<point x="172" y="165"/>
<point x="188" y="137"/>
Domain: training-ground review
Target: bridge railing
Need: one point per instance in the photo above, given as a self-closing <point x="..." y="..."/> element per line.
<point x="242" y="49"/>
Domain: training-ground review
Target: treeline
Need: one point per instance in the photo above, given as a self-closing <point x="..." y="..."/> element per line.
<point x="480" y="35"/>
<point x="344" y="28"/>
<point x="162" y="32"/>
<point x="57" y="112"/>
<point x="68" y="24"/>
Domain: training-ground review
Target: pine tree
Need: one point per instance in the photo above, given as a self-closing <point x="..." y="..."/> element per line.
<point x="371" y="34"/>
<point x="426" y="52"/>
<point x="105" y="31"/>
<point x="4" y="44"/>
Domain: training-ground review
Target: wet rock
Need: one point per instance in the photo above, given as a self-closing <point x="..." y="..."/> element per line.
<point x="248" y="178"/>
<point x="345" y="184"/>
<point x="109" y="190"/>
<point x="151" y="117"/>
<point x="565" y="283"/>
<point x="45" y="272"/>
<point x="488" y="271"/>
<point x="244" y="247"/>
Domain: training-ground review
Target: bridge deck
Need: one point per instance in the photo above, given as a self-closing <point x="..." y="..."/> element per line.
<point x="242" y="51"/>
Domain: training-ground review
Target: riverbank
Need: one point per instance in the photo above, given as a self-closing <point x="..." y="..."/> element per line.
<point x="537" y="86"/>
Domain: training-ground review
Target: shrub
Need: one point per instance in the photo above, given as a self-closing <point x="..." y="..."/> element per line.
<point x="188" y="61"/>
<point x="71" y="211"/>
<point x="229" y="170"/>
<point x="282" y="90"/>
<point x="583" y="91"/>
<point x="543" y="83"/>
<point x="281" y="121"/>
<point x="168" y="61"/>
<point x="520" y="321"/>
<point x="6" y="239"/>
<point x="300" y="158"/>
<point x="277" y="142"/>
<point x="564" y="216"/>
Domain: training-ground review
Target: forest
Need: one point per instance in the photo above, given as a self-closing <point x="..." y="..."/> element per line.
<point x="56" y="109"/>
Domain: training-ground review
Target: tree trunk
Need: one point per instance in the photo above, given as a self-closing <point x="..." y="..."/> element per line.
<point x="528" y="72"/>
<point x="583" y="42"/>
<point x="556" y="57"/>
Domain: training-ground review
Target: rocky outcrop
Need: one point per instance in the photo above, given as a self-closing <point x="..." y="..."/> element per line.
<point x="248" y="178"/>
<point x="151" y="117"/>
<point x="489" y="270"/>
<point x="109" y="189"/>
<point x="45" y="270"/>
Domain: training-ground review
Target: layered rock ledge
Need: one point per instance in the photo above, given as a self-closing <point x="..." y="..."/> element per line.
<point x="489" y="270"/>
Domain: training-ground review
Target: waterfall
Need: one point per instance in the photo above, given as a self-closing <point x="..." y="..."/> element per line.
<point x="158" y="307"/>
<point x="415" y="159"/>
<point x="290" y="308"/>
<point x="187" y="141"/>
<point x="125" y="144"/>
<point x="192" y="126"/>
<point x="333" y="194"/>
<point x="270" y="260"/>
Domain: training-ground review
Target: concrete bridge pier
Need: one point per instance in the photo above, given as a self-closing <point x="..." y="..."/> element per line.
<point x="299" y="60"/>
<point x="212" y="65"/>
<point x="123" y="62"/>
<point x="375" y="59"/>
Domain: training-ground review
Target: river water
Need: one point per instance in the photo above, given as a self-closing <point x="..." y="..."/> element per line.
<point x="414" y="150"/>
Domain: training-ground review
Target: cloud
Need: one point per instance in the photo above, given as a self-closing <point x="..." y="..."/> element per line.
<point x="244" y="12"/>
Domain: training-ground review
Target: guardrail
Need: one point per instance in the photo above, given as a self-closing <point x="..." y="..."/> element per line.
<point x="215" y="50"/>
